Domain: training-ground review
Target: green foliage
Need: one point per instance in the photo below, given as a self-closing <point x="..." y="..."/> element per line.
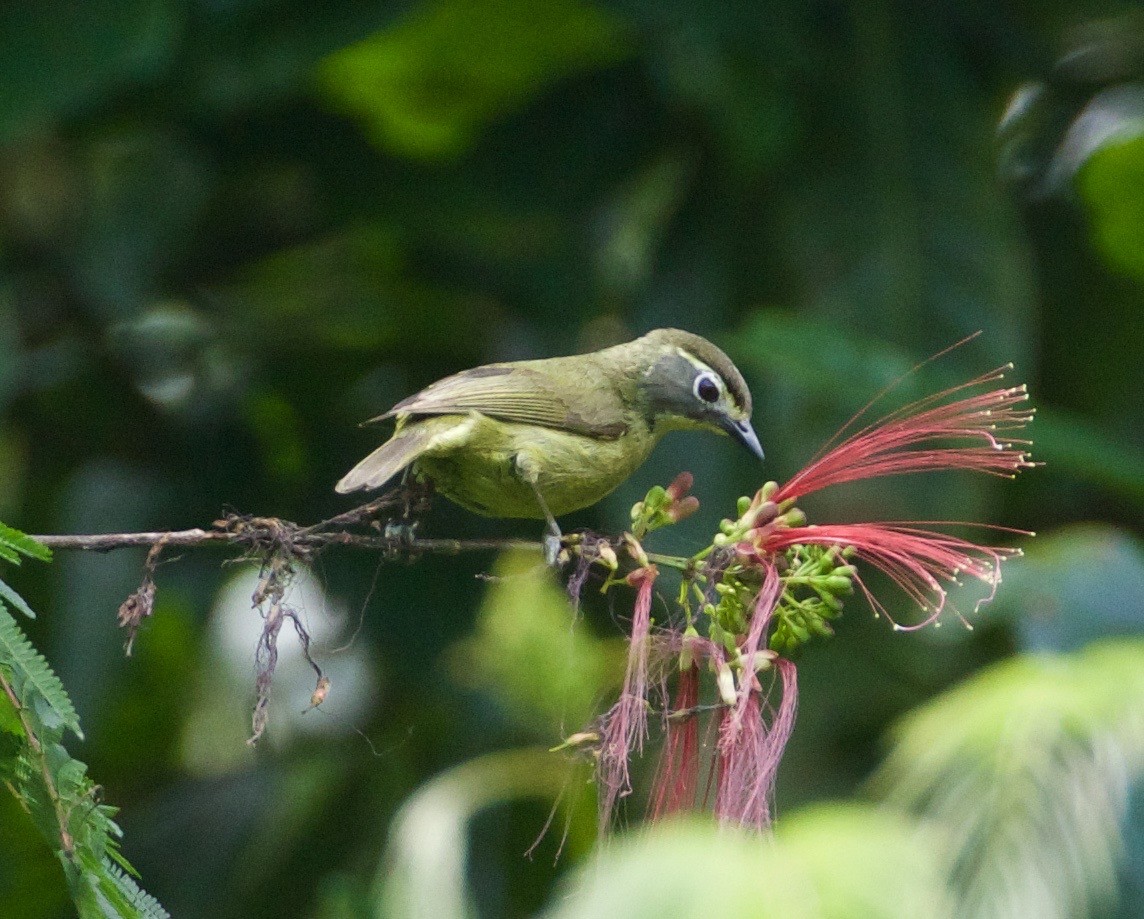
<point x="814" y="579"/>
<point x="54" y="788"/>
<point x="546" y="673"/>
<point x="1026" y="768"/>
<point x="32" y="680"/>
<point x="1072" y="587"/>
<point x="815" y="582"/>
<point x="419" y="89"/>
<point x="423" y="873"/>
<point x="13" y="544"/>
<point x="1112" y="184"/>
<point x="210" y="212"/>
<point x="833" y="861"/>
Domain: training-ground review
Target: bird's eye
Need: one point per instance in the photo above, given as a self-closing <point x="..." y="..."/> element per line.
<point x="706" y="388"/>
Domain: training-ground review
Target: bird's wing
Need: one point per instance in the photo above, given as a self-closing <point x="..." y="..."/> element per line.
<point x="512" y="393"/>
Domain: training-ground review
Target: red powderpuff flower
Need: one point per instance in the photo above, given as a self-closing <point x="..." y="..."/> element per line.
<point x="677" y="778"/>
<point x="959" y="428"/>
<point x="917" y="560"/>
<point x="927" y="435"/>
<point x="749" y="753"/>
<point x="935" y="433"/>
<point x="624" y="727"/>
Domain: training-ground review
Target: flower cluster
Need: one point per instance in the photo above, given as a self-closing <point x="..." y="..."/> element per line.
<point x="768" y="583"/>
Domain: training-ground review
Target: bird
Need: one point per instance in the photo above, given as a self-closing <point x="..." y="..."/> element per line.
<point x="538" y="439"/>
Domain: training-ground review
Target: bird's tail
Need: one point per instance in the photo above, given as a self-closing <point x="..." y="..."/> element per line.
<point x="387" y="460"/>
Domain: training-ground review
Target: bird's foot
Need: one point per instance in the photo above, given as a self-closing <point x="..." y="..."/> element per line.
<point x="553" y="543"/>
<point x="400" y="534"/>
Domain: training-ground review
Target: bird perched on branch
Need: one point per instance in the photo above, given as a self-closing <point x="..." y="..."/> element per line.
<point x="541" y="438"/>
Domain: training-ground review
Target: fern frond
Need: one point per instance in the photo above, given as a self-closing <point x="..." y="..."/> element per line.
<point x="15" y="600"/>
<point x="145" y="905"/>
<point x="1027" y="769"/>
<point x="32" y="679"/>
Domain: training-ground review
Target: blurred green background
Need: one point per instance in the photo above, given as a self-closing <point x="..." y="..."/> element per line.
<point x="232" y="229"/>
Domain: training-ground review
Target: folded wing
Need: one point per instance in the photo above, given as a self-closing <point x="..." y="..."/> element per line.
<point x="513" y="393"/>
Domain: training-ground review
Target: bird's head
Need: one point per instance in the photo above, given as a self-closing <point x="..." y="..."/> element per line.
<point x="688" y="382"/>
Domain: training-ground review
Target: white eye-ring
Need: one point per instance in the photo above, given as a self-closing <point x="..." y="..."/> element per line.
<point x="706" y="388"/>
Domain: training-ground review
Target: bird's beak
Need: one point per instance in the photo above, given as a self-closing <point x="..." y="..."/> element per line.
<point x="745" y="434"/>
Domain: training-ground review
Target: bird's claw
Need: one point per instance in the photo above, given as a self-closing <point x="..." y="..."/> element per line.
<point x="553" y="543"/>
<point x="400" y="534"/>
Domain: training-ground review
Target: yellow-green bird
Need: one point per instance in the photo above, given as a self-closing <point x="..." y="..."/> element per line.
<point x="542" y="438"/>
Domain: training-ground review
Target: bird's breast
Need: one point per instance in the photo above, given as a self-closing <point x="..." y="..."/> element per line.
<point x="480" y="468"/>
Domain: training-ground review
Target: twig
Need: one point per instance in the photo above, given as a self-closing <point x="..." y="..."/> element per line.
<point x="306" y="540"/>
<point x="108" y="542"/>
<point x="277" y="544"/>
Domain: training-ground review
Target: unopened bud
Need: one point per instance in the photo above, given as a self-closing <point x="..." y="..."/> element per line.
<point x="792" y="518"/>
<point x="607" y="555"/>
<point x="725" y="681"/>
<point x="764" y="659"/>
<point x="763" y="514"/>
<point x="680" y="486"/>
<point x="683" y="508"/>
<point x="836" y="583"/>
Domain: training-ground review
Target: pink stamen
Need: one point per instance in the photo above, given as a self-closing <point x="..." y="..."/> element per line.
<point x="677" y="778"/>
<point x="902" y="441"/>
<point x="625" y="725"/>
<point x="917" y="560"/>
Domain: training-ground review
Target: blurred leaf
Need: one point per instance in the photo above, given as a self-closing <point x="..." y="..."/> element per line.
<point x="822" y="357"/>
<point x="1074" y="586"/>
<point x="58" y="60"/>
<point x="245" y="54"/>
<point x="423" y="874"/>
<point x="425" y="86"/>
<point x="31" y="886"/>
<point x="1068" y="442"/>
<point x="1051" y="127"/>
<point x="1026" y="767"/>
<point x="352" y="291"/>
<point x="633" y="225"/>
<point x="126" y="245"/>
<point x="532" y="653"/>
<point x="1112" y="185"/>
<point x="831" y="362"/>
<point x="276" y="424"/>
<point x="892" y="221"/>
<point x="832" y="861"/>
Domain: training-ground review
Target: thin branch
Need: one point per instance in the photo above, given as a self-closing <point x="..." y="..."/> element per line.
<point x="392" y="533"/>
<point x="107" y="542"/>
<point x="388" y="521"/>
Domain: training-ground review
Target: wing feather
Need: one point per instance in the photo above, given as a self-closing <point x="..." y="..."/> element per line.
<point x="509" y="393"/>
<point x="387" y="460"/>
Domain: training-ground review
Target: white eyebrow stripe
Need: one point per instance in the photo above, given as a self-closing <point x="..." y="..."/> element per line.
<point x="699" y="365"/>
